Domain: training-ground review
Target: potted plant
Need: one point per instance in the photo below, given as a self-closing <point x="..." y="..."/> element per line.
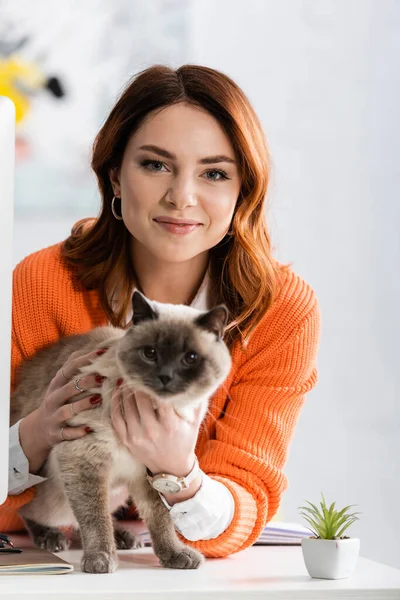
<point x="329" y="554"/>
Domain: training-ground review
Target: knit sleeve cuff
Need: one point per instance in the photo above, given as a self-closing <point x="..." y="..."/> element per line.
<point x="14" y="502"/>
<point x="238" y="532"/>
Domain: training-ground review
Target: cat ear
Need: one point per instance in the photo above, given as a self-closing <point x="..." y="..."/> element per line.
<point x="214" y="320"/>
<point x="142" y="310"/>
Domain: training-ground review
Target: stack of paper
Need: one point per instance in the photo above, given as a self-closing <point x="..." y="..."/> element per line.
<point x="276" y="533"/>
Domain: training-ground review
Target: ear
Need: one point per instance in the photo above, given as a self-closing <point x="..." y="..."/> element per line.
<point x="115" y="184"/>
<point x="214" y="320"/>
<point x="142" y="310"/>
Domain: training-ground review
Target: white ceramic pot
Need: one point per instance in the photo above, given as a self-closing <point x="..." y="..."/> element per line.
<point x="330" y="559"/>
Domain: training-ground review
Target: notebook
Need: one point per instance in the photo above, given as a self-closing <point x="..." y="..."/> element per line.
<point x="33" y="561"/>
<point x="276" y="533"/>
<point x="279" y="533"/>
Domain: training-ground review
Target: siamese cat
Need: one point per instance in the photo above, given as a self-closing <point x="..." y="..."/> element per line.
<point x="173" y="353"/>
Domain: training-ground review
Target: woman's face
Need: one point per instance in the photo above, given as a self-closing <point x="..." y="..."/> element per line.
<point x="179" y="166"/>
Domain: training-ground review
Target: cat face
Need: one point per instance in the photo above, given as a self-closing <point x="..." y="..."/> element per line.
<point x="174" y="352"/>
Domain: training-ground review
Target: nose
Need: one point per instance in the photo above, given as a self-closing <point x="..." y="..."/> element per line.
<point x="165" y="379"/>
<point x="182" y="192"/>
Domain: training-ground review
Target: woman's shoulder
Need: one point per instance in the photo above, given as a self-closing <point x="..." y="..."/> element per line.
<point x="43" y="274"/>
<point x="44" y="262"/>
<point x="294" y="307"/>
<point x="295" y="296"/>
<point x="49" y="302"/>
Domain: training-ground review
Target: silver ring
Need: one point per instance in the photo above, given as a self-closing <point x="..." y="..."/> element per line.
<point x="76" y="381"/>
<point x="62" y="434"/>
<point x="71" y="406"/>
<point x="62" y="373"/>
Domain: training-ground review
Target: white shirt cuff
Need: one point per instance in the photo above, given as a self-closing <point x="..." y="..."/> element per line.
<point x="205" y="516"/>
<point x="19" y="478"/>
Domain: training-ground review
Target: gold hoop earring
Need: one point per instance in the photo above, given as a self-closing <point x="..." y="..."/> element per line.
<point x="230" y="231"/>
<point x="119" y="218"/>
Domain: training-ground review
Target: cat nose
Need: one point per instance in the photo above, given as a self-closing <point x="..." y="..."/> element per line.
<point x="165" y="379"/>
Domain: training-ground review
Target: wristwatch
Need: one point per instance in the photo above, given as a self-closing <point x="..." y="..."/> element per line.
<point x="170" y="484"/>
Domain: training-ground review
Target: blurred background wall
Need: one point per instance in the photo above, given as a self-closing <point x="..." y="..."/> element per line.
<point x="324" y="77"/>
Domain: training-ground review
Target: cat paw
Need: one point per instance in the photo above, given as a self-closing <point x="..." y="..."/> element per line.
<point x="184" y="558"/>
<point x="125" y="540"/>
<point x="51" y="540"/>
<point x="99" y="562"/>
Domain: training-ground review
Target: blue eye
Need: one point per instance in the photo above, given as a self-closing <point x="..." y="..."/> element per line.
<point x="151" y="165"/>
<point x="222" y="175"/>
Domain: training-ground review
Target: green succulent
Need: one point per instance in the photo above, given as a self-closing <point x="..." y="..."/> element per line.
<point x="327" y="524"/>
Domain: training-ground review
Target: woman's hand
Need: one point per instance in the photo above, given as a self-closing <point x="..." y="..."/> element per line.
<point x="45" y="427"/>
<point x="161" y="439"/>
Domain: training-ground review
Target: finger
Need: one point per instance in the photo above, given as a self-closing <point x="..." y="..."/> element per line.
<point x="72" y="367"/>
<point x="116" y="416"/>
<point x="58" y="381"/>
<point x="68" y="433"/>
<point x="60" y="396"/>
<point x="145" y="409"/>
<point x="72" y="409"/>
<point x="64" y="373"/>
<point x="87" y="403"/>
<point x="167" y="415"/>
<point x="72" y="433"/>
<point x="84" y="383"/>
<point x="131" y="411"/>
<point x="115" y="402"/>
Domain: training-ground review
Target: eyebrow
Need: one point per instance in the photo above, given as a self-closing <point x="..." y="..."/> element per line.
<point x="203" y="161"/>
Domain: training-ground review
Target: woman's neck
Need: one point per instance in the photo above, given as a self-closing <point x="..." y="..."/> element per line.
<point x="172" y="283"/>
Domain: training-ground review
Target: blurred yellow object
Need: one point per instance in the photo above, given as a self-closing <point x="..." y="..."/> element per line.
<point x="19" y="78"/>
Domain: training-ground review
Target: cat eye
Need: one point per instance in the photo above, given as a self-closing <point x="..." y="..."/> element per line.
<point x="149" y="352"/>
<point x="190" y="358"/>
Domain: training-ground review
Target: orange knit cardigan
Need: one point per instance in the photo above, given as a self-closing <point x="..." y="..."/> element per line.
<point x="245" y="438"/>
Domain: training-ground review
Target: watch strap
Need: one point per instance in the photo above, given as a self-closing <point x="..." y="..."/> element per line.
<point x="184" y="481"/>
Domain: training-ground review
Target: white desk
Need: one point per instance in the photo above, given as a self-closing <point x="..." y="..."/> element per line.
<point x="273" y="572"/>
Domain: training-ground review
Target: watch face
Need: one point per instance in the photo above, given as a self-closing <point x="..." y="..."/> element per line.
<point x="166" y="486"/>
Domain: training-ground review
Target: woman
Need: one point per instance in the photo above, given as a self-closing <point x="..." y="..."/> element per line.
<point x="182" y="167"/>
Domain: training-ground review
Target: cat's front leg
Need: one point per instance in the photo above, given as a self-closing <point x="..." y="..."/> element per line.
<point x="170" y="550"/>
<point x="86" y="486"/>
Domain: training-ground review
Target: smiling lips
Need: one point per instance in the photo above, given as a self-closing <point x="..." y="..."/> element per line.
<point x="179" y="226"/>
<point x="176" y="221"/>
